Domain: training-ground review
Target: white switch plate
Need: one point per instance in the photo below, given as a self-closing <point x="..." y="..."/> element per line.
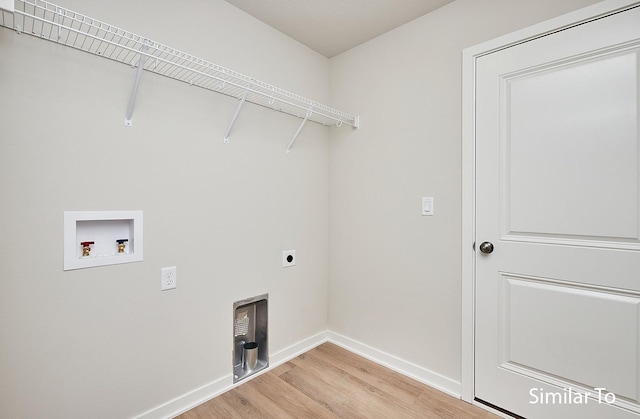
<point x="288" y="258"/>
<point x="168" y="279"/>
<point x="427" y="205"/>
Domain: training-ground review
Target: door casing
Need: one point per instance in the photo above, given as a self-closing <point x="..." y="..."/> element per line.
<point x="470" y="56"/>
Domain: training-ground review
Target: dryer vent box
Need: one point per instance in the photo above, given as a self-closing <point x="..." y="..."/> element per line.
<point x="250" y="336"/>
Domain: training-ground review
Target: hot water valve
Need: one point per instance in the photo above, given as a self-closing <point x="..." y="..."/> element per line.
<point x="86" y="248"/>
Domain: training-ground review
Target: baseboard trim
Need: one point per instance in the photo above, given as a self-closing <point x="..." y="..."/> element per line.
<point x="215" y="388"/>
<point x="296" y="349"/>
<point x="418" y="373"/>
<point x="189" y="400"/>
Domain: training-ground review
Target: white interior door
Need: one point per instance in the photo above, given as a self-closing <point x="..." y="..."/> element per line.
<point x="558" y="197"/>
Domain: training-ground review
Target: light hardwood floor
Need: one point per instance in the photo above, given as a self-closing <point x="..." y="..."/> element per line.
<point x="331" y="382"/>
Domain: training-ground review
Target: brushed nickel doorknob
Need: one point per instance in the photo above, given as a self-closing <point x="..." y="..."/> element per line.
<point x="486" y="247"/>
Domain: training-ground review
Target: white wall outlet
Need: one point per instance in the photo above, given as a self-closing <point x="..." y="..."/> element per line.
<point x="288" y="258"/>
<point x="168" y="280"/>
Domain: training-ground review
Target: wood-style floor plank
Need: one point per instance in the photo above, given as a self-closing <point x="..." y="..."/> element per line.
<point x="367" y="399"/>
<point x="295" y="405"/>
<point x="329" y="382"/>
<point x="383" y="378"/>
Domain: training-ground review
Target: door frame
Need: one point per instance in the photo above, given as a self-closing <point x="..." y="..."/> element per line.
<point x="469" y="60"/>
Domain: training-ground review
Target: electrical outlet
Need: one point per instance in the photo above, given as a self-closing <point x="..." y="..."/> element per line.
<point x="168" y="280"/>
<point x="288" y="258"/>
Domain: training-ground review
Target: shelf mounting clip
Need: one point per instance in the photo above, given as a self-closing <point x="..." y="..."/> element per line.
<point x="304" y="121"/>
<point x="141" y="61"/>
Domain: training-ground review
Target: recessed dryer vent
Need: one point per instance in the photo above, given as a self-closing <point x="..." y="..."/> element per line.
<point x="250" y="336"/>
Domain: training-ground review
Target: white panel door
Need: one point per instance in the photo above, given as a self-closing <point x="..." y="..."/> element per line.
<point x="558" y="196"/>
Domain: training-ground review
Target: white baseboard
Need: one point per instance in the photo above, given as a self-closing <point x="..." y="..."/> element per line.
<point x="190" y="400"/>
<point x="418" y="373"/>
<point x="296" y="349"/>
<point x="215" y="388"/>
<point x="207" y="392"/>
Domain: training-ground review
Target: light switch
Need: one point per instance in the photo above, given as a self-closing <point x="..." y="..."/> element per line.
<point x="427" y="205"/>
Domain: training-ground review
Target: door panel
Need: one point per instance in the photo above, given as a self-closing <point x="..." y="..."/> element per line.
<point x="570" y="332"/>
<point x="559" y="121"/>
<point x="558" y="195"/>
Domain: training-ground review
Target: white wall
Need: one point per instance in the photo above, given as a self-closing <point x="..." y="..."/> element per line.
<point x="106" y="342"/>
<point x="395" y="276"/>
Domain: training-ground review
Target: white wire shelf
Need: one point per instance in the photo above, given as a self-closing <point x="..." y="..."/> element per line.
<point x="63" y="26"/>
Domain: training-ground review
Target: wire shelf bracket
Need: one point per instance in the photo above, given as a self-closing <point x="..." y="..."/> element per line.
<point x="136" y="82"/>
<point x="48" y="21"/>
<point x="304" y="121"/>
<point x="235" y="116"/>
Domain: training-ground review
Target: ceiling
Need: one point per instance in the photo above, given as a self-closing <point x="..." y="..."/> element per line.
<point x="331" y="27"/>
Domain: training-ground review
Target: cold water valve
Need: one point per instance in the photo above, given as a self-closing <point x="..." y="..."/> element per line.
<point x="121" y="244"/>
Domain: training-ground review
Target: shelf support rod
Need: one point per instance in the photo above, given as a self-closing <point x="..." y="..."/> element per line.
<point x="235" y="116"/>
<point x="143" y="58"/>
<point x="304" y="121"/>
